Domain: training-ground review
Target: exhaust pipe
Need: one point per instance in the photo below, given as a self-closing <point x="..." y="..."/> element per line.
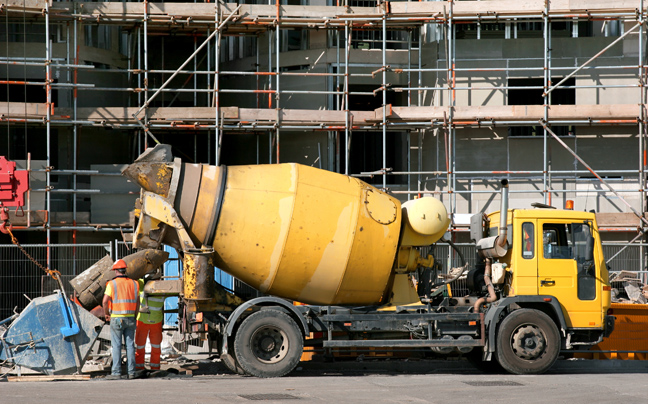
<point x="497" y="246"/>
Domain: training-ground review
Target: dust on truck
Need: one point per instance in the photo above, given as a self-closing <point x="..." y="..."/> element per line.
<point x="350" y="252"/>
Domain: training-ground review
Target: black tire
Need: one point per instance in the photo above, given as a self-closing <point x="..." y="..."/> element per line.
<point x="268" y="344"/>
<point x="528" y="342"/>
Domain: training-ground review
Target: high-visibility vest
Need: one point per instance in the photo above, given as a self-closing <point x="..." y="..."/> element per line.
<point x="155" y="305"/>
<point x="124" y="292"/>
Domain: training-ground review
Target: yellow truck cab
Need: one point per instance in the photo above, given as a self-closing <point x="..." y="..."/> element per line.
<point x="555" y="265"/>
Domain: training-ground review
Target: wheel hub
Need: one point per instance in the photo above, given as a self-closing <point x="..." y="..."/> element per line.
<point x="528" y="342"/>
<point x="269" y="344"/>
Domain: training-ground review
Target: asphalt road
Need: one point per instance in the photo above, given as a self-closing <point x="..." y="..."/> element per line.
<point x="377" y="382"/>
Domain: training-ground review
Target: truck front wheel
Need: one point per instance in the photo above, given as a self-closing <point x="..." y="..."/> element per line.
<point x="528" y="342"/>
<point x="268" y="344"/>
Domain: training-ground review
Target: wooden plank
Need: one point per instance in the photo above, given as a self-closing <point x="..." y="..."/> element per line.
<point x="310" y="116"/>
<point x="125" y="114"/>
<point x="23" y="109"/>
<point x="46" y="378"/>
<point x="39" y="217"/>
<point x="502" y="7"/>
<point x="462" y="8"/>
<point x="30" y="4"/>
<point x="516" y="112"/>
<point x="604" y="5"/>
<point x="618" y="219"/>
<point x="114" y="115"/>
<point x="189" y="115"/>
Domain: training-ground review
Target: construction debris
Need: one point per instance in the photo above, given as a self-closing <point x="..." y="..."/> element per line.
<point x="628" y="288"/>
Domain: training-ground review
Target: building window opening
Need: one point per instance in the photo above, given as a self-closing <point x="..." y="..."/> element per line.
<point x="530" y="93"/>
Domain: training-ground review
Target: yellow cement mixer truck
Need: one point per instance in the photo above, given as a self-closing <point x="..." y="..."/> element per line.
<point x="349" y="252"/>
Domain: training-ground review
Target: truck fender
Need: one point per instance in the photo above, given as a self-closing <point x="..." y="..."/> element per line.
<point x="492" y="318"/>
<point x="264" y="301"/>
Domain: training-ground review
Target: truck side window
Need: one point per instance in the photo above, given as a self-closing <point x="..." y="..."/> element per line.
<point x="556" y="242"/>
<point x="528" y="244"/>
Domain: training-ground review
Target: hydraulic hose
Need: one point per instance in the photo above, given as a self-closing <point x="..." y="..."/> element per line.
<point x="489" y="284"/>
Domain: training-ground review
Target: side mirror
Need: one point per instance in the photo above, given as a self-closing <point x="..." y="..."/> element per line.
<point x="589" y="248"/>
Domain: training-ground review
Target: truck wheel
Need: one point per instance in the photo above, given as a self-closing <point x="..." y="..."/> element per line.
<point x="528" y="342"/>
<point x="268" y="344"/>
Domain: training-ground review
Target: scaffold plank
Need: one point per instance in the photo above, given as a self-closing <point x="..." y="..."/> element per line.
<point x="618" y="219"/>
<point x="205" y="12"/>
<point x="462" y="115"/>
<point x="515" y="112"/>
<point x="22" y="109"/>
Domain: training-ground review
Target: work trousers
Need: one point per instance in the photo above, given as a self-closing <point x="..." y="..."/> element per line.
<point x="154" y="334"/>
<point x="122" y="327"/>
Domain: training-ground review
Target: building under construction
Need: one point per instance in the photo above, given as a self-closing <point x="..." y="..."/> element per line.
<point x="439" y="98"/>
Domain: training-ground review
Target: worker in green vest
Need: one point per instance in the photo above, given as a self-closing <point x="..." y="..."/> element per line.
<point x="149" y="325"/>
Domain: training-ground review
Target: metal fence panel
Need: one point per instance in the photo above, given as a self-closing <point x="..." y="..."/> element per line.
<point x="20" y="277"/>
<point x="630" y="259"/>
<point x="123" y="249"/>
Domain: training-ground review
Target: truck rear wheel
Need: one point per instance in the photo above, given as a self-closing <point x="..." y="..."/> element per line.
<point x="268" y="344"/>
<point x="528" y="342"/>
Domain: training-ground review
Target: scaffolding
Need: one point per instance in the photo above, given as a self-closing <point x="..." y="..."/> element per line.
<point x="207" y="76"/>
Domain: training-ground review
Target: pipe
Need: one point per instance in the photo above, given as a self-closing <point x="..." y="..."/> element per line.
<point x="48" y="118"/>
<point x="545" y="95"/>
<point x="217" y="89"/>
<point x="347" y="117"/>
<point x="492" y="296"/>
<point x="384" y="95"/>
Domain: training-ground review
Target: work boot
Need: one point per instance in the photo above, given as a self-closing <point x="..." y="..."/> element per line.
<point x="113" y="377"/>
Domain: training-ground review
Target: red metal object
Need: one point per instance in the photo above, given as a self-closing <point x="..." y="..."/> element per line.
<point x="5" y="225"/>
<point x="13" y="184"/>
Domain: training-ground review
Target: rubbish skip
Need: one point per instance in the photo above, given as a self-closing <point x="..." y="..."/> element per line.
<point x="51" y="335"/>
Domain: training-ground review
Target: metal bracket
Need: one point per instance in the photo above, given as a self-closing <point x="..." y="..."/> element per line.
<point x="159" y="208"/>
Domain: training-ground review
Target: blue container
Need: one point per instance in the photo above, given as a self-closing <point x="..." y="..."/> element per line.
<point x="44" y="336"/>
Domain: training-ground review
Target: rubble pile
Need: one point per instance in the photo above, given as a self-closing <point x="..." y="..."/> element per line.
<point x="628" y="288"/>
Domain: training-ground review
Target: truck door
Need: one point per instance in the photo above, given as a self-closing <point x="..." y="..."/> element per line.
<point x="564" y="273"/>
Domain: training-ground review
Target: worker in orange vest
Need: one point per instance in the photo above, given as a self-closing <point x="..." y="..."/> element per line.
<point x="149" y="324"/>
<point x="121" y="305"/>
